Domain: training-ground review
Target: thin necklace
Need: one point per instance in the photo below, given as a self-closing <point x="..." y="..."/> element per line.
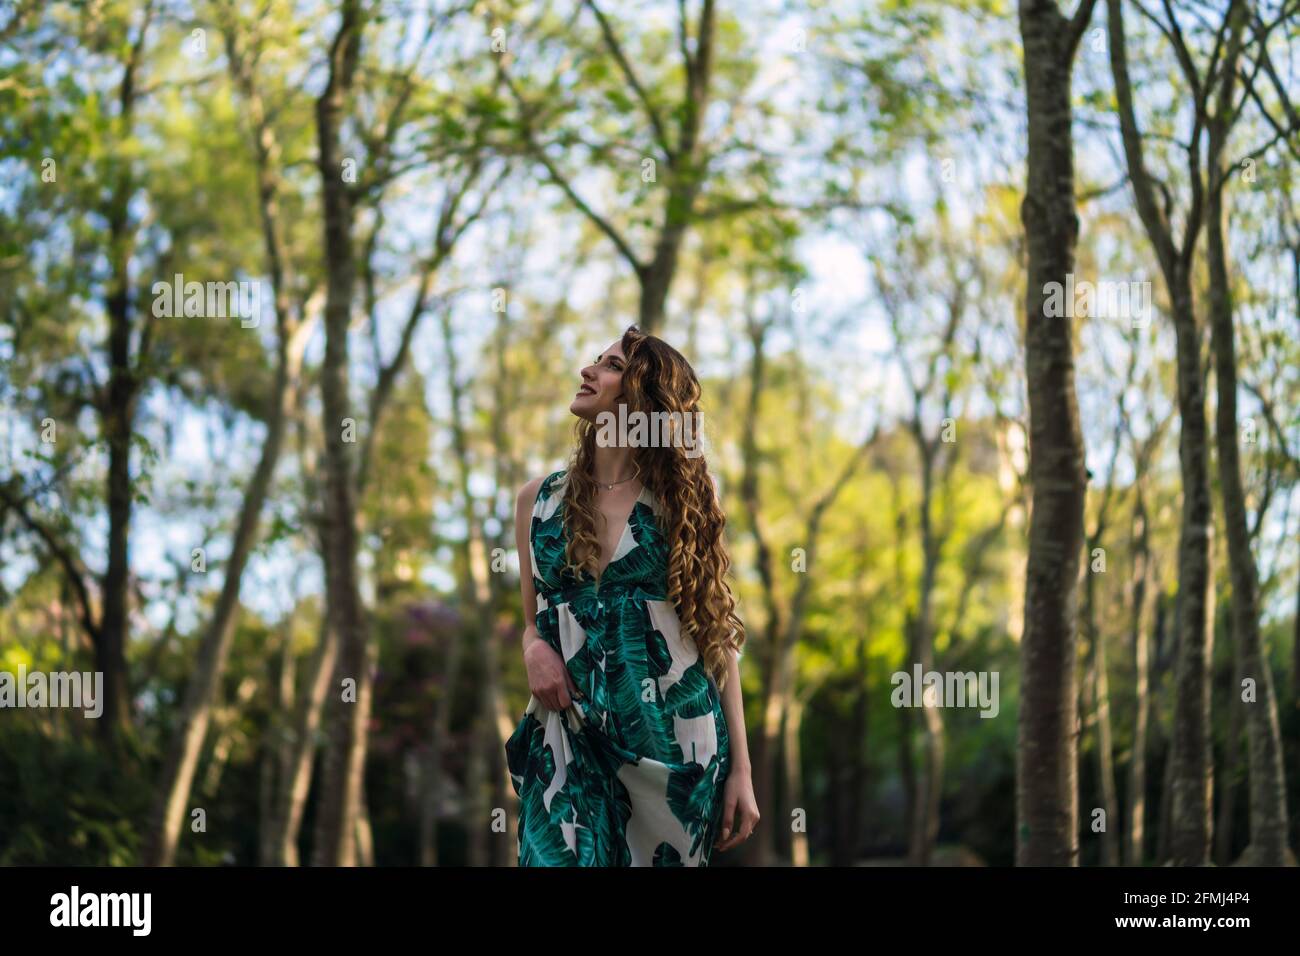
<point x="609" y="486"/>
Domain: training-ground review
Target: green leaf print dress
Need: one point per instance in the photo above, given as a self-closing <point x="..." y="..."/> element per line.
<point x="632" y="773"/>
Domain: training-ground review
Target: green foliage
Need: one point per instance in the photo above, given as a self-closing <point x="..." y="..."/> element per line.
<point x="65" y="801"/>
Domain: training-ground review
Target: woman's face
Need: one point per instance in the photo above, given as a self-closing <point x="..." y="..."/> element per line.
<point x="602" y="384"/>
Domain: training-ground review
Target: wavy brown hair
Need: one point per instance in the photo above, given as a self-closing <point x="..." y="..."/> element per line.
<point x="657" y="378"/>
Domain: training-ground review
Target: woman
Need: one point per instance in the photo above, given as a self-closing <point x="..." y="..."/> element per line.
<point x="632" y="750"/>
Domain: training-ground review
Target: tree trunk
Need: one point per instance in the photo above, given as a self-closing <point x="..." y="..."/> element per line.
<point x="1046" y="788"/>
<point x="836" y="800"/>
<point x="859" y="739"/>
<point x="118" y="422"/>
<point x="1193" y="771"/>
<point x="1097" y="685"/>
<point x="276" y="749"/>
<point x="685" y="174"/>
<point x="1191" y="813"/>
<point x="1134" y="853"/>
<point x="1268" y="811"/>
<point x="200" y="691"/>
<point x="341" y="796"/>
<point x="1295" y="654"/>
<point x="1100" y="704"/>
<point x="907" y="773"/>
<point x="762" y="848"/>
<point x="1163" y="823"/>
<point x="224" y="721"/>
<point x="929" y="782"/>
<point x="365" y="839"/>
<point x="117" y="419"/>
<point x="292" y="797"/>
<point x="1231" y="747"/>
<point x="794" y="781"/>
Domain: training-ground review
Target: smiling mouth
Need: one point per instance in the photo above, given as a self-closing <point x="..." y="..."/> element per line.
<point x="586" y="390"/>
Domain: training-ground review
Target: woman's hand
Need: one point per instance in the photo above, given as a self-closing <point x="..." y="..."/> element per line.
<point x="739" y="810"/>
<point x="548" y="678"/>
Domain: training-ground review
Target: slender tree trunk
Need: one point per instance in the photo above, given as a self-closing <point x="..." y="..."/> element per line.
<point x="1164" y="824"/>
<point x="118" y="422"/>
<point x="1268" y="811"/>
<point x="925" y="817"/>
<point x="1295" y="654"/>
<point x="1097" y="699"/>
<point x="1295" y="672"/>
<point x="365" y="838"/>
<point x="1191" y="820"/>
<point x="860" y="741"/>
<point x="794" y="781"/>
<point x="1223" y="831"/>
<point x="1191" y="814"/>
<point x="928" y="785"/>
<point x="907" y="771"/>
<point x="1105" y="754"/>
<point x="292" y="798"/>
<point x="836" y="801"/>
<point x="1046" y="773"/>
<point x="762" y="849"/>
<point x="117" y="417"/>
<point x="341" y="796"/>
<point x="187" y="741"/>
<point x="1134" y="853"/>
<point x="778" y="708"/>
<point x="686" y="170"/>
<point x="1096" y="693"/>
<point x="276" y="746"/>
<point x="223" y="723"/>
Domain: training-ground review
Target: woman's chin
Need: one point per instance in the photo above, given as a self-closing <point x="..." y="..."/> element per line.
<point x="586" y="406"/>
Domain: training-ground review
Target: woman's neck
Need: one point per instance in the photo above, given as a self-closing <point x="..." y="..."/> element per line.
<point x="611" y="464"/>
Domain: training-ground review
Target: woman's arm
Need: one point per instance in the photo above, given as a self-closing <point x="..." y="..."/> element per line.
<point x="740" y="809"/>
<point x="523" y="527"/>
<point x="734" y="709"/>
<point x="548" y="679"/>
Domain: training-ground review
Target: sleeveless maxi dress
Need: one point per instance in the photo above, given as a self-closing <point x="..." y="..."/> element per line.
<point x="632" y="772"/>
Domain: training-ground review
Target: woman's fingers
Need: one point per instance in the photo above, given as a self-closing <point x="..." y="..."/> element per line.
<point x="749" y="820"/>
<point x="726" y="831"/>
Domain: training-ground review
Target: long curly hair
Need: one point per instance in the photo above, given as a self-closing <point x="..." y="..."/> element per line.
<point x="657" y="378"/>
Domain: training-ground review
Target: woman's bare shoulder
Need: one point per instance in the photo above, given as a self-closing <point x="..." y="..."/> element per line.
<point x="544" y="487"/>
<point x="528" y="493"/>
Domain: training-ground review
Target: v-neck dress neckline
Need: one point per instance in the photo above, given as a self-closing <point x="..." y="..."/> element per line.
<point x="623" y="535"/>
